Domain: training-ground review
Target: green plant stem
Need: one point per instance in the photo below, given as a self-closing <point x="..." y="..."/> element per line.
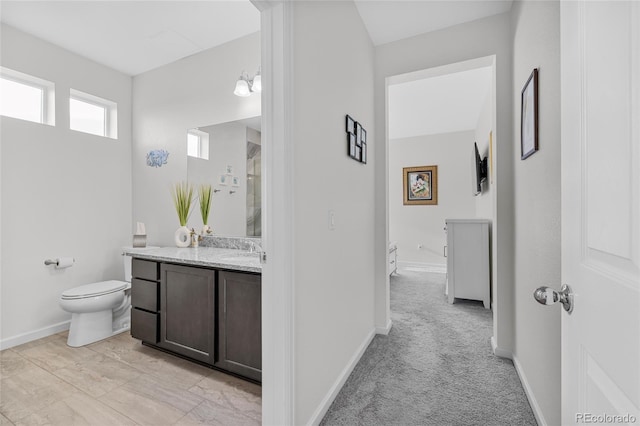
<point x="204" y="192"/>
<point x="182" y="194"/>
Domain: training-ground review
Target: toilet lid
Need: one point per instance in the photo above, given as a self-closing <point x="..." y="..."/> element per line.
<point x="94" y="289"/>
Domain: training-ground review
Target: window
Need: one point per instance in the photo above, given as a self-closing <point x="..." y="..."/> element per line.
<point x="198" y="144"/>
<point x="91" y="114"/>
<point x="26" y="97"/>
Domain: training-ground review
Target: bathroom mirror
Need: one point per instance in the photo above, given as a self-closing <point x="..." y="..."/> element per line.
<point x="228" y="156"/>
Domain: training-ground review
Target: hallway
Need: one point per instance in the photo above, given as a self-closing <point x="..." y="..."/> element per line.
<point x="434" y="368"/>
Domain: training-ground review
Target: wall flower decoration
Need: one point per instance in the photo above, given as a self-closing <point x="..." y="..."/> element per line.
<point x="157" y="158"/>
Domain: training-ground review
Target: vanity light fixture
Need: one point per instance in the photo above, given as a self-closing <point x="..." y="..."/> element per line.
<point x="245" y="86"/>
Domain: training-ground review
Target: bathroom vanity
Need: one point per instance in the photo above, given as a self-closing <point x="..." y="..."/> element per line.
<point x="201" y="303"/>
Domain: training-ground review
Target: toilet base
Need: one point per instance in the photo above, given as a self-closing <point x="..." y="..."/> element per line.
<point x="87" y="328"/>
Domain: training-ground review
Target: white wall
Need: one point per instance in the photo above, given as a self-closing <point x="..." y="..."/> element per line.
<point x="192" y="92"/>
<point x="414" y="225"/>
<point x="481" y="38"/>
<point x="64" y="193"/>
<point x="536" y="35"/>
<point x="227" y="147"/>
<point x="334" y="269"/>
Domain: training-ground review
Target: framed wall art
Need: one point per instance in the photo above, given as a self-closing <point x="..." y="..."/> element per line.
<point x="356" y="140"/>
<point x="529" y="116"/>
<point x="350" y="125"/>
<point x="420" y="185"/>
<point x="352" y="145"/>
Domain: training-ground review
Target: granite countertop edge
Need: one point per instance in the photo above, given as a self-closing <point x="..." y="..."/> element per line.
<point x="210" y="257"/>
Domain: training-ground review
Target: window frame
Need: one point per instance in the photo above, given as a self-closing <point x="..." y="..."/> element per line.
<point x="110" y="109"/>
<point x="203" y="143"/>
<point x="47" y="97"/>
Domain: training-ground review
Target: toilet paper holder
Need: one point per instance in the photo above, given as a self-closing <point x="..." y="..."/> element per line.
<point x="55" y="262"/>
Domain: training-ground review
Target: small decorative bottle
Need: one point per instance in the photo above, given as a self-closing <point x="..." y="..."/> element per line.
<point x="194" y="238"/>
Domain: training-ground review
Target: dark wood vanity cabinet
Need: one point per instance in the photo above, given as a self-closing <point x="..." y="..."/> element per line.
<point x="145" y="300"/>
<point x="187" y="311"/>
<point x="208" y="315"/>
<point x="240" y="324"/>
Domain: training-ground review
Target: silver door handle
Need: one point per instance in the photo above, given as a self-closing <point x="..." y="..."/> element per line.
<point x="548" y="296"/>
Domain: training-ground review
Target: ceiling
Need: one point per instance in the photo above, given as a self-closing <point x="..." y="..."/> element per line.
<point x="133" y="36"/>
<point x="392" y="20"/>
<point x="442" y="104"/>
<point x="137" y="36"/>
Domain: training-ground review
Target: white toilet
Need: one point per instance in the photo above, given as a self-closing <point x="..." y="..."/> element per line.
<point x="99" y="310"/>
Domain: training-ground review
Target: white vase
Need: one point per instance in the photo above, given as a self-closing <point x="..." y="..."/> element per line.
<point x="206" y="230"/>
<point x="182" y="237"/>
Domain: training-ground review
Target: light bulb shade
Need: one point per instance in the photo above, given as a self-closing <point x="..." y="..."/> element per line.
<point x="257" y="83"/>
<point x="242" y="88"/>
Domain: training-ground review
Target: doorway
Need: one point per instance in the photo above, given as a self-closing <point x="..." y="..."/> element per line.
<point x="434" y="117"/>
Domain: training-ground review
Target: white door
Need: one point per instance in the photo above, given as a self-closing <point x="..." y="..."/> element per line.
<point x="601" y="211"/>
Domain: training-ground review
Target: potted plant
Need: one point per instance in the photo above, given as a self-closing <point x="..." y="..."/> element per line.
<point x="182" y="194"/>
<point x="205" y="193"/>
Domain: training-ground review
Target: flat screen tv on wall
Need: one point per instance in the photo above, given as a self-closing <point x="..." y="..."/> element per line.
<point x="480" y="169"/>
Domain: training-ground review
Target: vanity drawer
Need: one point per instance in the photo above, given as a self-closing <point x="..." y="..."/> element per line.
<point x="144" y="325"/>
<point x="145" y="269"/>
<point x="144" y="294"/>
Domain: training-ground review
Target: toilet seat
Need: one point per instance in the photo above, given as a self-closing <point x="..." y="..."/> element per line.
<point x="94" y="289"/>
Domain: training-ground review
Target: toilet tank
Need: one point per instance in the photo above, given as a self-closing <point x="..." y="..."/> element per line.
<point x="127" y="267"/>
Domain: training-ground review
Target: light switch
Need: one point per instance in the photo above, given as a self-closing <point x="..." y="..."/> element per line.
<point x="332" y="220"/>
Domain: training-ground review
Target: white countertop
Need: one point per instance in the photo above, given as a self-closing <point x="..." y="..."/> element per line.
<point x="213" y="257"/>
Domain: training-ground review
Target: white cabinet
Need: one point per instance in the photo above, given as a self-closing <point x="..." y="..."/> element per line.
<point x="468" y="262"/>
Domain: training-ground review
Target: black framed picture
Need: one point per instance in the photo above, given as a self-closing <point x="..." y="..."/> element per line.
<point x="351" y="138"/>
<point x="363" y="153"/>
<point x="529" y="116"/>
<point x="350" y="125"/>
<point x="363" y="136"/>
<point x="358" y="134"/>
<point x="358" y="152"/>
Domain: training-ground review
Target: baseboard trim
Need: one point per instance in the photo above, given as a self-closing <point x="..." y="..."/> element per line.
<point x="427" y="267"/>
<point x="322" y="409"/>
<point x="30" y="336"/>
<point x="537" y="412"/>
<point x="500" y="352"/>
<point x="384" y="330"/>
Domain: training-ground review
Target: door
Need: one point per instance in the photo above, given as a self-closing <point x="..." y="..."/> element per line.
<point x="240" y="324"/>
<point x="600" y="211"/>
<point x="187" y="311"/>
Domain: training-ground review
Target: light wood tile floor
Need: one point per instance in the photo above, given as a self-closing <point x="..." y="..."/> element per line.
<point x="117" y="381"/>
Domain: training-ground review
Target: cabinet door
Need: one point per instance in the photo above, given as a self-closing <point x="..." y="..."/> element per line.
<point x="240" y="324"/>
<point x="187" y="311"/>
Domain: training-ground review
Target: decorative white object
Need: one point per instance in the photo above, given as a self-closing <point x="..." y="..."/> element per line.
<point x="206" y="230"/>
<point x="468" y="267"/>
<point x="182" y="237"/>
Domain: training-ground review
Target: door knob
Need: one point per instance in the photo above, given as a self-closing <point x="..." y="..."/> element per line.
<point x="548" y="296"/>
